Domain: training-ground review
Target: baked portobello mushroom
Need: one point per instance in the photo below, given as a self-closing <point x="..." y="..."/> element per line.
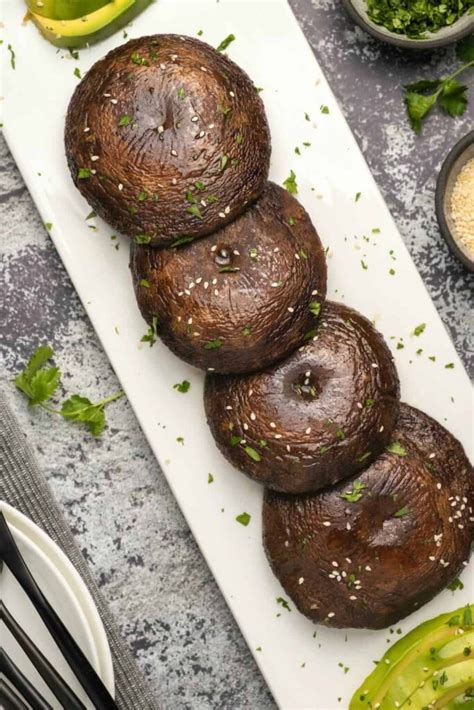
<point x="243" y="298"/>
<point x="167" y="138"/>
<point x="317" y="417"/>
<point x="373" y="549"/>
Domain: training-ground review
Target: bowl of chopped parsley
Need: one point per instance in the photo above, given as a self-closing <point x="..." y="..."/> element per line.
<point x="414" y="24"/>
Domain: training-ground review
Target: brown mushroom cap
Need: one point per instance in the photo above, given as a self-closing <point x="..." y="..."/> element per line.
<point x="167" y="138"/>
<point x="317" y="417"/>
<point x="368" y="561"/>
<point x="243" y="298"/>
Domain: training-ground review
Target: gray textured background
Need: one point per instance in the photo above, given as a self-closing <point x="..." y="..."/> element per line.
<point x="112" y="491"/>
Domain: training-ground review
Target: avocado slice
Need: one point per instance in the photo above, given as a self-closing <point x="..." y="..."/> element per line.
<point x="64" y="9"/>
<point x="90" y="28"/>
<point x="432" y="667"/>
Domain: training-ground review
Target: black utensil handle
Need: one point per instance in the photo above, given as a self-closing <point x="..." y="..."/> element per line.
<point x="74" y="656"/>
<point x="9" y="699"/>
<point x="21" y="683"/>
<point x="51" y="677"/>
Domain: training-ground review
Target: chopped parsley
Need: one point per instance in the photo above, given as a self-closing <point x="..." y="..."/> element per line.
<point x="283" y="603"/>
<point x="210" y="478"/>
<point x="48" y="225"/>
<point x="396" y="448"/>
<point x="182" y="387"/>
<point x="194" y="210"/>
<point x="252" y="453"/>
<point x="12" y="56"/>
<point x="142" y="239"/>
<point x="225" y="43"/>
<point x="244" y="519"/>
<point x="324" y="109"/>
<point x="138" y="59"/>
<point x="77" y="73"/>
<point x="307" y="116"/>
<point x="125" y="120"/>
<point x="223" y="163"/>
<point x="84" y="173"/>
<point x="144" y="282"/>
<point x="315" y="308"/>
<point x="419" y="329"/>
<point x="402" y="513"/>
<point x="357" y="197"/>
<point x="449" y="366"/>
<point x="355" y="493"/>
<point x="152" y="332"/>
<point x="181" y="93"/>
<point x="142" y="196"/>
<point x="213" y="344"/>
<point x="291" y="221"/>
<point x="247" y="330"/>
<point x="228" y="269"/>
<point x="290" y="183"/>
<point x="415" y="19"/>
<point x="455" y="584"/>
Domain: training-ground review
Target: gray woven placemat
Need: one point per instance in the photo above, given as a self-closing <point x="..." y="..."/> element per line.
<point x="23" y="486"/>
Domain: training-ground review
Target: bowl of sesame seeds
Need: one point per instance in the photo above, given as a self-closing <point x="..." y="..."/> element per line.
<point x="427" y="25"/>
<point x="455" y="200"/>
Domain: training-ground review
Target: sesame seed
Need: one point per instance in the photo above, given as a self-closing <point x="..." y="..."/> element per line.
<point x="86" y="129"/>
<point x="227" y="210"/>
<point x="120" y="186"/>
<point x="359" y="404"/>
<point x="278" y="436"/>
<point x="348" y="560"/>
<point x="194" y="119"/>
<point x="229" y="407"/>
<point x="246" y="426"/>
<point x="273" y="425"/>
<point x="160" y="129"/>
<point x="203" y="69"/>
<point x="368" y="568"/>
<point x="334" y="563"/>
<point x="353" y="597"/>
<point x="94" y="157"/>
<point x="374" y="364"/>
<point x="211" y="126"/>
<point x="348" y="526"/>
<point x="206" y="285"/>
<point x="162" y="66"/>
<point x="431" y="456"/>
<point x="308" y="430"/>
<point x="432" y="558"/>
<point x="287" y="544"/>
<point x="214" y="281"/>
<point x="173" y="152"/>
<point x="201" y="134"/>
<point x="107" y="95"/>
<point x="216" y="292"/>
<point x="381" y="428"/>
<point x="315" y="292"/>
<point x="331" y="615"/>
<point x="210" y="369"/>
<point x="231" y="93"/>
<point x="114" y="101"/>
<point x="276" y="250"/>
<point x="326" y="524"/>
<point x="301" y="580"/>
<point x="222" y="215"/>
<point x="190" y="320"/>
<point x="253" y="416"/>
<point x="274" y="284"/>
<point x="288" y="448"/>
<point x="297" y="256"/>
<point x="174" y="181"/>
<point x="290" y="309"/>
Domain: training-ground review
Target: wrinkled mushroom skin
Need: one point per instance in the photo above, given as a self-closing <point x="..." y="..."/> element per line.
<point x="195" y="149"/>
<point x="369" y="563"/>
<point x="239" y="300"/>
<point x="317" y="417"/>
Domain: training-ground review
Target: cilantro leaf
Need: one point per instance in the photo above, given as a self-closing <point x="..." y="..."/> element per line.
<point x="36" y="381"/>
<point x="418" y="107"/>
<point x="152" y="332"/>
<point x="183" y="386"/>
<point x="453" y="98"/>
<point x="244" y="519"/>
<point x="465" y="49"/>
<point x="402" y="512"/>
<point x="81" y="409"/>
<point x="283" y="603"/>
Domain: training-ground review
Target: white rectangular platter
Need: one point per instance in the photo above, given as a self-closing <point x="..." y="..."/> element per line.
<point x="301" y="670"/>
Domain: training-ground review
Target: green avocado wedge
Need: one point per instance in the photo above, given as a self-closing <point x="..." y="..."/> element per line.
<point x="91" y="28"/>
<point x="430" y="668"/>
<point x="64" y="9"/>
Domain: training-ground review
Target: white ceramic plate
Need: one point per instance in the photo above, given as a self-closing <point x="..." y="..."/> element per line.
<point x="302" y="671"/>
<point x="63" y="587"/>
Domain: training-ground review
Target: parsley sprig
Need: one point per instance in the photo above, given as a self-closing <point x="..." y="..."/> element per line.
<point x="448" y="92"/>
<point x="40" y="380"/>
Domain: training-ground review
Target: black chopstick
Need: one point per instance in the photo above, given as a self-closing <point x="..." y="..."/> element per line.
<point x="78" y="662"/>
<point x="21" y="683"/>
<point x="51" y="677"/>
<point x="9" y="698"/>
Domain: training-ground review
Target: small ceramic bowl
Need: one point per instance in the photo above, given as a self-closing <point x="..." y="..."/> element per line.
<point x="357" y="9"/>
<point x="462" y="152"/>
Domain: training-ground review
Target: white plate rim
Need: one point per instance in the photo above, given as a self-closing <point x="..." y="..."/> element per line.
<point x="73" y="583"/>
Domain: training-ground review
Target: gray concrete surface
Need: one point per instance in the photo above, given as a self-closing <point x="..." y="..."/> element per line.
<point x="112" y="491"/>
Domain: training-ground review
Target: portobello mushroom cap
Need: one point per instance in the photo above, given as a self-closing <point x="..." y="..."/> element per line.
<point x="243" y="298"/>
<point x="370" y="551"/>
<point x="317" y="417"/>
<point x="167" y="138"/>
